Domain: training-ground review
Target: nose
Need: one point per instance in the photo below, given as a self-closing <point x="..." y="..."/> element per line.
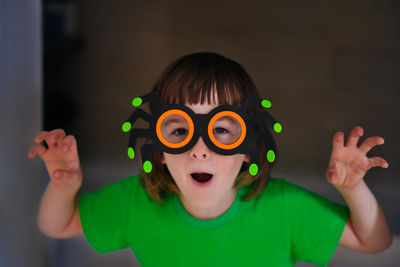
<point x="200" y="150"/>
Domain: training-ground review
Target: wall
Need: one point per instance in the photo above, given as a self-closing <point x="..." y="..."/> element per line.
<point x="21" y="244"/>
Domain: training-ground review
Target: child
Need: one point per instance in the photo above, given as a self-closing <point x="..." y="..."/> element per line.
<point x="197" y="203"/>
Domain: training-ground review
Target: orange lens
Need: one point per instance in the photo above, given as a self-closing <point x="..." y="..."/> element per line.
<point x="227" y="130"/>
<point x="175" y="128"/>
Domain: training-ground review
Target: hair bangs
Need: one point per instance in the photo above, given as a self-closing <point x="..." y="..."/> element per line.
<point x="200" y="79"/>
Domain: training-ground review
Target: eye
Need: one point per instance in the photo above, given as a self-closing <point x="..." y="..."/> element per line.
<point x="180" y="131"/>
<point x="220" y="130"/>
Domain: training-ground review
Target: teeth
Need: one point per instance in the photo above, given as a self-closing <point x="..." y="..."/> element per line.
<point x="201" y="177"/>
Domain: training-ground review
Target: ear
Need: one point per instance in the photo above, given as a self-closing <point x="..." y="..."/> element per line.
<point x="246" y="158"/>
<point x="162" y="158"/>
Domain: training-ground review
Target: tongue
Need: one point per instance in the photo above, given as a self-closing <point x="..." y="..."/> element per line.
<point x="201" y="177"/>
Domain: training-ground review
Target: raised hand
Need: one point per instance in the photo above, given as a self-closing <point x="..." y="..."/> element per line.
<point x="61" y="158"/>
<point x="348" y="164"/>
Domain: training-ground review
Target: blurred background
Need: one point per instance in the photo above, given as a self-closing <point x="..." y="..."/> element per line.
<point x="326" y="66"/>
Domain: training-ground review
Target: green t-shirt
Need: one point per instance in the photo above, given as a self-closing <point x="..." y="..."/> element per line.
<point x="284" y="224"/>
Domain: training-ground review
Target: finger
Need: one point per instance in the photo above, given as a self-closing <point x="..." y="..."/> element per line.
<point x="58" y="174"/>
<point x="370" y="142"/>
<point x="355" y="134"/>
<point x="60" y="137"/>
<point x="36" y="149"/>
<point x="40" y="137"/>
<point x="338" y="140"/>
<point x="378" y="162"/>
<point x="53" y="137"/>
<point x="69" y="143"/>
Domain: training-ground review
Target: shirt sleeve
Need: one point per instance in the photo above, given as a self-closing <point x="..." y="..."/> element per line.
<point x="316" y="226"/>
<point x="104" y="217"/>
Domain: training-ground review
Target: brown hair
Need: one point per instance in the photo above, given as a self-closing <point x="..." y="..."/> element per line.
<point x="192" y="79"/>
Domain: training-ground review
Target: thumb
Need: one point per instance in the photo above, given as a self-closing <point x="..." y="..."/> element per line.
<point x="64" y="176"/>
<point x="332" y="176"/>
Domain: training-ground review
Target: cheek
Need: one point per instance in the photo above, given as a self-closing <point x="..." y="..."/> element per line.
<point x="232" y="163"/>
<point x="169" y="158"/>
<point x="173" y="162"/>
<point x="238" y="158"/>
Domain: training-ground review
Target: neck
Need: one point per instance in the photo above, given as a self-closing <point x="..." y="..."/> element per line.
<point x="211" y="212"/>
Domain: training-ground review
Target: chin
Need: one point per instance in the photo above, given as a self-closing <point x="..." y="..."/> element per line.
<point x="202" y="200"/>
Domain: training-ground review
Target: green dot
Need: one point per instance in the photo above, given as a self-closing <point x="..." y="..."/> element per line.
<point x="266" y="104"/>
<point x="136" y="102"/>
<point x="126" y="126"/>
<point x="253" y="169"/>
<point x="131" y="153"/>
<point x="271" y="156"/>
<point x="277" y="127"/>
<point x="147" y="166"/>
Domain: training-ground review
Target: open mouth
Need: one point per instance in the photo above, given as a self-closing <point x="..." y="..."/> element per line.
<point x="201" y="177"/>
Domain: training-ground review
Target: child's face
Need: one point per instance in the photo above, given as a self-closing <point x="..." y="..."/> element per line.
<point x="200" y="159"/>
